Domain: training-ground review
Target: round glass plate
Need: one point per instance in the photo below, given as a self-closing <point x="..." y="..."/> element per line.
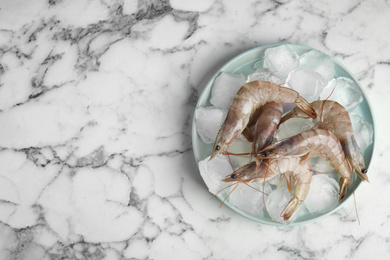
<point x="244" y="63"/>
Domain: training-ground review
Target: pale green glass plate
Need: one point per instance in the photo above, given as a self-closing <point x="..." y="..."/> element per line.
<point x="244" y="63"/>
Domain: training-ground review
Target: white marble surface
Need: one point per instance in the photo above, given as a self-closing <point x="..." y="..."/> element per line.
<point x="96" y="105"/>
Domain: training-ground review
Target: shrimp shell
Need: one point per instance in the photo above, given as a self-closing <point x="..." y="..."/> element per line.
<point x="335" y="117"/>
<point x="296" y="170"/>
<point x="311" y="143"/>
<point x="247" y="101"/>
<point x="266" y="125"/>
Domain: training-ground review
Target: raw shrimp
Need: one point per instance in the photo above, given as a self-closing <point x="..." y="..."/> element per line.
<point x="247" y="101"/>
<point x="311" y="143"/>
<point x="266" y="125"/>
<point x="335" y="117"/>
<point x="296" y="170"/>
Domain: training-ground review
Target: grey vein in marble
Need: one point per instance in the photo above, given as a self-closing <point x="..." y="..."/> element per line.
<point x="96" y="104"/>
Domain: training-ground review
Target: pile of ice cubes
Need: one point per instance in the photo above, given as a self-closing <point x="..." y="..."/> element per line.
<point x="312" y="74"/>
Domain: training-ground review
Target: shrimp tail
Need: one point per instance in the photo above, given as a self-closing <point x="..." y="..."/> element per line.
<point x="290" y="208"/>
<point x="301" y="190"/>
<point x="306" y="108"/>
<point x="344" y="184"/>
<point x="293" y="113"/>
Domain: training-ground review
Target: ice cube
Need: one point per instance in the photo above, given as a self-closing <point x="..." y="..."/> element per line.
<point x="363" y="131"/>
<point x="293" y="126"/>
<point x="277" y="201"/>
<point x="214" y="171"/>
<point x="277" y="179"/>
<point x="224" y="89"/>
<point x="320" y="165"/>
<point x="288" y="107"/>
<point x="328" y="90"/>
<point x="307" y="82"/>
<point x="345" y="92"/>
<point x="250" y="200"/>
<point x="265" y="75"/>
<point x="208" y="121"/>
<point x="318" y="62"/>
<point x="259" y="64"/>
<point x="281" y="60"/>
<point x="323" y="195"/>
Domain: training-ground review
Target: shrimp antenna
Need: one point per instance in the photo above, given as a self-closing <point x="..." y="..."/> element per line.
<point x="353" y="192"/>
<point x="235" y="154"/>
<point x="215" y="194"/>
<point x="323" y="104"/>
<point x="322" y="172"/>
<point x="228" y="195"/>
<point x="265" y="176"/>
<point x="353" y="187"/>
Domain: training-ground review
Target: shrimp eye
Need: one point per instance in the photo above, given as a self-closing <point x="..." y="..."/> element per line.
<point x="264" y="154"/>
<point x="233" y="176"/>
<point x="364" y="171"/>
<point x="217" y="147"/>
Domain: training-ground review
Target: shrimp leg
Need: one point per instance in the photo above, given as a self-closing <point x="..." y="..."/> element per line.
<point x="300" y="194"/>
<point x="311" y="143"/>
<point x="296" y="170"/>
<point x="335" y="117"/>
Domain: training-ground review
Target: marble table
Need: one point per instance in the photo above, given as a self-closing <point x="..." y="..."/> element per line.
<point x="96" y="106"/>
